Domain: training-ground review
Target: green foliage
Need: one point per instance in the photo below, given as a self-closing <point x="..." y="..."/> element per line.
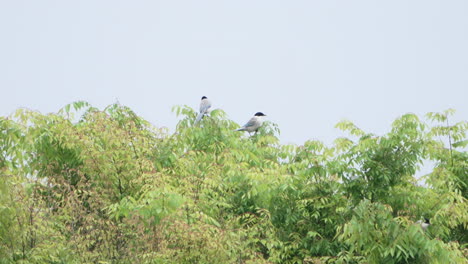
<point x="105" y="186"/>
<point x="375" y="234"/>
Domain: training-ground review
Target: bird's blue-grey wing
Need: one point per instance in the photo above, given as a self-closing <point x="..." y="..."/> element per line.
<point x="252" y="122"/>
<point x="204" y="106"/>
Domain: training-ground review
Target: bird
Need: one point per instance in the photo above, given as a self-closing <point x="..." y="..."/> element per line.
<point x="424" y="225"/>
<point x="205" y="104"/>
<point x="253" y="124"/>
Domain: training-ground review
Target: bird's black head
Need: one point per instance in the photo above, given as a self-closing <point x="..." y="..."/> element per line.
<point x="426" y="220"/>
<point x="259" y="114"/>
<point x="204" y="97"/>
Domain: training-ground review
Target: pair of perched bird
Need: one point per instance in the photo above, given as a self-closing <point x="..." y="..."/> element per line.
<point x="251" y="126"/>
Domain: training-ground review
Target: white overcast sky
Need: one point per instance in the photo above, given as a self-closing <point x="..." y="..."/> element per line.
<point x="306" y="64"/>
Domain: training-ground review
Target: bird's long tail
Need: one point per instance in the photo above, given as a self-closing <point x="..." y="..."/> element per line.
<point x="199" y="117"/>
<point x="240" y="129"/>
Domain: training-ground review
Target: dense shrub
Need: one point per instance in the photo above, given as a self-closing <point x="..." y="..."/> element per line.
<point x="108" y="187"/>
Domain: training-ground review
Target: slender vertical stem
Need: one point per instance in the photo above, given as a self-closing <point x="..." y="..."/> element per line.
<point x="450" y="141"/>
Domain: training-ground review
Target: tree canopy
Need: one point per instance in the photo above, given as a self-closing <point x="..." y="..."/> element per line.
<point x="85" y="185"/>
